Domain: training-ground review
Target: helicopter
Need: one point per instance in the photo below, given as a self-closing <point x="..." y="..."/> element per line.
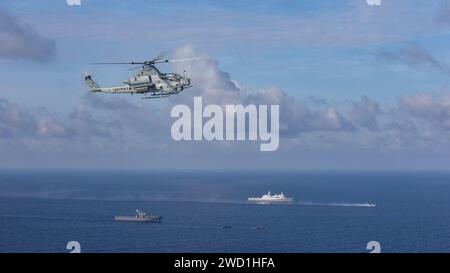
<point x="148" y="81"/>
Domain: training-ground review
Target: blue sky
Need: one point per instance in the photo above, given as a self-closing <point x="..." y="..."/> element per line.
<point x="382" y="69"/>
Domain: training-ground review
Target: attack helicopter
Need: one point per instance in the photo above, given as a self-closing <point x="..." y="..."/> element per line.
<point x="148" y="81"/>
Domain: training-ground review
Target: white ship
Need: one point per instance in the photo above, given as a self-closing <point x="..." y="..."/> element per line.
<point x="268" y="198"/>
<point x="139" y="217"/>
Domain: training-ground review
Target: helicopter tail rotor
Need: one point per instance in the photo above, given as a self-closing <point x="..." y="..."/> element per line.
<point x="87" y="73"/>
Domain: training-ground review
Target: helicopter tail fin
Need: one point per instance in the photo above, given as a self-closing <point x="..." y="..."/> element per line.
<point x="91" y="83"/>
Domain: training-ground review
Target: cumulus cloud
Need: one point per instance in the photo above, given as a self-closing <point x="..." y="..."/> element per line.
<point x="19" y="122"/>
<point x="298" y="117"/>
<point x="365" y="112"/>
<point x="108" y="103"/>
<point x="216" y="86"/>
<point x="20" y="41"/>
<point x="301" y="117"/>
<point x="88" y="125"/>
<point x="82" y="123"/>
<point x="431" y="107"/>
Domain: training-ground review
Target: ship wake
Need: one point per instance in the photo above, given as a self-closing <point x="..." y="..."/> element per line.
<point x="336" y="204"/>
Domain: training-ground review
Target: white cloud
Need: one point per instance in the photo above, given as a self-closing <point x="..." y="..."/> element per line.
<point x="413" y="55"/>
<point x="364" y="113"/>
<point x="20" y="41"/>
<point x="434" y="108"/>
<point x="217" y="87"/>
<point x="18" y="122"/>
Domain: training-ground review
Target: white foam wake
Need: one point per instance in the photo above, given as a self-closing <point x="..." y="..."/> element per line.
<point x="336" y="204"/>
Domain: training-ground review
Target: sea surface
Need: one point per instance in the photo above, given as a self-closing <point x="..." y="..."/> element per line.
<point x="41" y="211"/>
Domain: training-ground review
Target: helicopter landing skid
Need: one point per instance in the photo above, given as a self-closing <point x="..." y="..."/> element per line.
<point x="154" y="97"/>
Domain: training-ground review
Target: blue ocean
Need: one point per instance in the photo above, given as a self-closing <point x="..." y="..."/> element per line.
<point x="41" y="211"/>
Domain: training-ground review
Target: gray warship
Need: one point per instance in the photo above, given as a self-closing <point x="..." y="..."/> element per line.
<point x="140" y="216"/>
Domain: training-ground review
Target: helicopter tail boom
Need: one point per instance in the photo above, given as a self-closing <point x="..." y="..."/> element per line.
<point x="92" y="84"/>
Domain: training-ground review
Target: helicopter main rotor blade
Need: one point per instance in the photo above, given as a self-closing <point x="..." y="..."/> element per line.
<point x="154" y="61"/>
<point x="130" y="63"/>
<point x="177" y="60"/>
<point x="159" y="61"/>
<point x="184" y="59"/>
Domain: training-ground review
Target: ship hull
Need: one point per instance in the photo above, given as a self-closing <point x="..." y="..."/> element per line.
<point x="260" y="200"/>
<point x="136" y="219"/>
